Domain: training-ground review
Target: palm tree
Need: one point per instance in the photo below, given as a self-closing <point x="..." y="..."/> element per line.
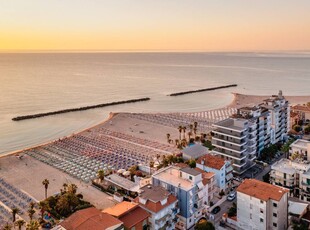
<point x="43" y="205"/>
<point x="31" y="212"/>
<point x="195" y="124"/>
<point x="32" y="204"/>
<point x="14" y="212"/>
<point x="151" y="164"/>
<point x="100" y="174"/>
<point x="195" y="131"/>
<point x="7" y="227"/>
<point x="189" y="135"/>
<point x="168" y="137"/>
<point x="177" y="141"/>
<point x="20" y="224"/>
<point x="184" y="130"/>
<point x="180" y="128"/>
<point x="45" y="182"/>
<point x="191" y="127"/>
<point x="33" y="225"/>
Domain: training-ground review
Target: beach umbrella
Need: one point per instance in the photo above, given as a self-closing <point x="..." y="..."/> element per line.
<point x="120" y="171"/>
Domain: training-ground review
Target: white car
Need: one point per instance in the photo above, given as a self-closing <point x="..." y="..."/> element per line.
<point x="231" y="196"/>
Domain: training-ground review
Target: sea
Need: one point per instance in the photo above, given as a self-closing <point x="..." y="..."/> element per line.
<point x="42" y="82"/>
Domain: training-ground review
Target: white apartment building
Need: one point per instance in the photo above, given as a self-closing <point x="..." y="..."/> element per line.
<point x="160" y="204"/>
<point x="294" y="175"/>
<point x="279" y="110"/>
<point x="301" y="147"/>
<point x="261" y="206"/>
<point x="187" y="185"/>
<point x="235" y="140"/>
<point x="220" y="167"/>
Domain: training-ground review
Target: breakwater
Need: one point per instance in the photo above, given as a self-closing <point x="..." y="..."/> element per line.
<point x="32" y="116"/>
<point x="202" y="90"/>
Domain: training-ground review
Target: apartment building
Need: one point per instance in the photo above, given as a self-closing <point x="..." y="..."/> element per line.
<point x="279" y="110"/>
<point x="301" y="147"/>
<point x="187" y="185"/>
<point x="261" y="206"/>
<point x="161" y="205"/>
<point x="220" y="167"/>
<point x="294" y="175"/>
<point x="235" y="140"/>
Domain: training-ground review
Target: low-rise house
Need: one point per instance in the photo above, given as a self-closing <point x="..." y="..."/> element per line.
<point x="261" y="206"/>
<point x="296" y="210"/>
<point x="187" y="185"/>
<point x="302" y="110"/>
<point x="130" y="214"/>
<point x="119" y="183"/>
<point x="302" y="147"/>
<point x="194" y="151"/>
<point x="161" y="205"/>
<point x="90" y="218"/>
<point x="220" y="167"/>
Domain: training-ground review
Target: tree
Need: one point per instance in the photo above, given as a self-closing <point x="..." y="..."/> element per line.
<point x="180" y="128"/>
<point x="72" y="188"/>
<point x="20" y="224"/>
<point x="7" y="227"/>
<point x="31" y="212"/>
<point x="191" y="127"/>
<point x="43" y="205"/>
<point x="189" y="135"/>
<point x="232" y="210"/>
<point x="100" y="174"/>
<point x="195" y="124"/>
<point x="168" y="137"/>
<point x="204" y="225"/>
<point x="300" y="122"/>
<point x="151" y="164"/>
<point x="192" y="163"/>
<point x="45" y="182"/>
<point x="266" y="178"/>
<point x="307" y="129"/>
<point x="184" y="131"/>
<point x="297" y="128"/>
<point x="33" y="225"/>
<point x="14" y="212"/>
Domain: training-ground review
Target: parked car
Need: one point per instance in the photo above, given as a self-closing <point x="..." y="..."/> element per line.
<point x="231" y="196"/>
<point x="216" y="209"/>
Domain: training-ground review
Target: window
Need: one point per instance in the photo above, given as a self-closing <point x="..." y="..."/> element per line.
<point x="251" y="206"/>
<point x="261" y="201"/>
<point x="261" y="220"/>
<point x="251" y="216"/>
<point x="190" y="177"/>
<point x="275" y="225"/>
<point x="275" y="214"/>
<point x="284" y="175"/>
<point x="275" y="205"/>
<point x="261" y="210"/>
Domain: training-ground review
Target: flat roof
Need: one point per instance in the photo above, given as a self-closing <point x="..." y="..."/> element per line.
<point x="231" y="123"/>
<point x="190" y="171"/>
<point x="299" y="143"/>
<point x="261" y="190"/>
<point x="171" y="175"/>
<point x="122" y="182"/>
<point x="195" y="151"/>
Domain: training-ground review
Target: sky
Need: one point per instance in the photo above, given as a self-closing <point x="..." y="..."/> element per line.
<point x="135" y="25"/>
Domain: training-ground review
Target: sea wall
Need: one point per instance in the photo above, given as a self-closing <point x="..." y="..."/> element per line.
<point x="202" y="90"/>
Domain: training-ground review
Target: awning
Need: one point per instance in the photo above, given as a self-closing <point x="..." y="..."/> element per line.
<point x="229" y="176"/>
<point x="200" y="185"/>
<point x="200" y="194"/>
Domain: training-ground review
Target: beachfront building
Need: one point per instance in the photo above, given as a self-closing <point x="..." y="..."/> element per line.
<point x="301" y="147"/>
<point x="261" y="206"/>
<point x="235" y="140"/>
<point x="187" y="185"/>
<point x="303" y="111"/>
<point x="294" y="175"/>
<point x="279" y="110"/>
<point x="130" y="214"/>
<point x="221" y="168"/>
<point x="194" y="151"/>
<point x="160" y="204"/>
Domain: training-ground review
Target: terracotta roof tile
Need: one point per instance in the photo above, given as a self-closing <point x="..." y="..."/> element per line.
<point x="261" y="190"/>
<point x="156" y="207"/>
<point x="133" y="217"/>
<point x="89" y="219"/>
<point x="120" y="208"/>
<point x="303" y="108"/>
<point x="211" y="161"/>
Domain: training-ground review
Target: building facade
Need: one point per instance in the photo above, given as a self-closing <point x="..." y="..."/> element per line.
<point x="302" y="147"/>
<point x="261" y="206"/>
<point x="220" y="167"/>
<point x="161" y="205"/>
<point x="187" y="185"/>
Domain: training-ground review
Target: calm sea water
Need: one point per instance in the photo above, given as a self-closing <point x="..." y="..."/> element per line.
<point x="33" y="83"/>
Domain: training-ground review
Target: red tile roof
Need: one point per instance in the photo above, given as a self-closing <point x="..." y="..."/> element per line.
<point x="303" y="108"/>
<point x="133" y="217"/>
<point x="211" y="161"/>
<point x="261" y="190"/>
<point x="156" y="207"/>
<point x="89" y="219"/>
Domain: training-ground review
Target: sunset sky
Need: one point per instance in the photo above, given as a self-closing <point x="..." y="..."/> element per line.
<point x="202" y="25"/>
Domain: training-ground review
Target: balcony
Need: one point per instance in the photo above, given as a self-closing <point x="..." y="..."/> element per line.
<point x="230" y="139"/>
<point x="237" y="156"/>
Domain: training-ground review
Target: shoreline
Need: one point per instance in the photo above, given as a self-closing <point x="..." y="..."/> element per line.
<point x="111" y="115"/>
<point x="239" y="100"/>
